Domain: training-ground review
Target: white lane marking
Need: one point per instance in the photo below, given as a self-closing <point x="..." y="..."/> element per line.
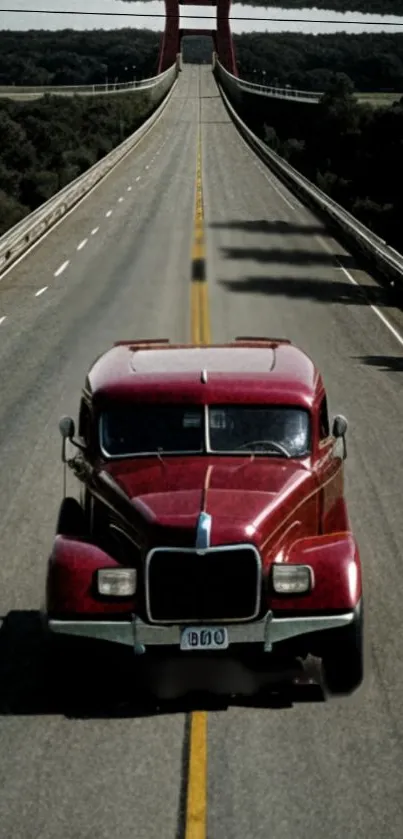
<point x="62" y="268"/>
<point x="41" y="290"/>
<point x="129" y="188"/>
<point x="82" y="244"/>
<point x="256" y="160"/>
<point x="94" y="231"/>
<point x="2" y="319"/>
<point x="375" y="309"/>
<point x="137" y="179"/>
<point x="120" y="200"/>
<point x="109" y="213"/>
<point x="276" y="189"/>
<point x="73" y="209"/>
<point x="396" y="334"/>
<point x="147" y="167"/>
<point x="297" y="209"/>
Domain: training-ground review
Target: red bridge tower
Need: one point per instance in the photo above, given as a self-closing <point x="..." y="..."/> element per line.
<point x="172" y="36"/>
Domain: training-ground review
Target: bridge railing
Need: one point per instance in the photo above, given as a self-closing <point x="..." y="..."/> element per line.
<point x="387" y="262"/>
<point x="283" y="92"/>
<point x="36" y="91"/>
<point x="22" y="236"/>
<point x="278" y="92"/>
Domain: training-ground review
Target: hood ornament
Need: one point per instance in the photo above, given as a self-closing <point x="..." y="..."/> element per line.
<point x="203" y="532"/>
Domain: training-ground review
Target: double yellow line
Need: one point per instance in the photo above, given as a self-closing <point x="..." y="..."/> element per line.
<point x="196" y="801"/>
<point x="200" y="319"/>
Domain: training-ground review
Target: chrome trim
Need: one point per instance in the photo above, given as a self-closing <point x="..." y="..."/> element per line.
<point x="218" y="549"/>
<point x="157" y="453"/>
<point x="121" y="632"/>
<point x="203" y="532"/>
<point x="140" y="635"/>
<point x="207" y="429"/>
<point x="268" y="631"/>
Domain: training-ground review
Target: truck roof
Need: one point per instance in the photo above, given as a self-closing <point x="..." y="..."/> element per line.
<point x="245" y="370"/>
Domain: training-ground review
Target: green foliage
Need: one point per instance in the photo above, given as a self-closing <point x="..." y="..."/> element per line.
<point x="47" y="143"/>
<point x="373" y="7"/>
<point x="368" y="7"/>
<point x="69" y="57"/>
<point x="354" y="153"/>
<point x="373" y="61"/>
<point x="11" y="210"/>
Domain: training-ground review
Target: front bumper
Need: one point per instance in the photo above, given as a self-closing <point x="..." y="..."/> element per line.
<point x="142" y="636"/>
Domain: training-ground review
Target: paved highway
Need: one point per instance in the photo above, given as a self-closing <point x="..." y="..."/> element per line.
<point x="314" y="770"/>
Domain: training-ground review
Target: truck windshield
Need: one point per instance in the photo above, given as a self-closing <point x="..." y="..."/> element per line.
<point x="147" y="429"/>
<point x="271" y="430"/>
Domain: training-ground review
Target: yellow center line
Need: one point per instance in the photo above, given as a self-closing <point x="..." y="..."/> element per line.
<point x="196" y="804"/>
<point x="200" y="316"/>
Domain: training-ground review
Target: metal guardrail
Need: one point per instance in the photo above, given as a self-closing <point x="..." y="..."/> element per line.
<point x="25" y="233"/>
<point x="36" y="92"/>
<point x="386" y="259"/>
<point x="279" y="92"/>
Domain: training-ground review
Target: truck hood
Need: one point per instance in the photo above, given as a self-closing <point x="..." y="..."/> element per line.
<point x="240" y="495"/>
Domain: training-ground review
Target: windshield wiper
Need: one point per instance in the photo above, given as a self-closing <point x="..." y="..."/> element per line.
<point x="278" y="447"/>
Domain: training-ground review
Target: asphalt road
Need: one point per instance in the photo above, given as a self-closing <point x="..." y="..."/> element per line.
<point x="314" y="770"/>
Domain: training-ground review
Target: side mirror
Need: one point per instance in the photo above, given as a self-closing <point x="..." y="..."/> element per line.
<point x="339" y="426"/>
<point x="67" y="430"/>
<point x="339" y="431"/>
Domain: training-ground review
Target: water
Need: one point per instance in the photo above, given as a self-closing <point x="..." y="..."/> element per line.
<point x="144" y="10"/>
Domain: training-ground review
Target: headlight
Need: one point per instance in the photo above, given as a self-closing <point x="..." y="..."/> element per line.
<point x="117" y="582"/>
<point x="292" y="579"/>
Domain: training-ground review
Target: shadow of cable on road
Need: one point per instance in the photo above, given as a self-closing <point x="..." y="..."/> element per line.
<point x="33" y="684"/>
<point x="264" y="226"/>
<point x="315" y="290"/>
<point x="387" y="363"/>
<point x="325" y="289"/>
<point x="291" y="256"/>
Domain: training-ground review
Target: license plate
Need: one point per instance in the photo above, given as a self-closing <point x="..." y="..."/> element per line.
<point x="204" y="638"/>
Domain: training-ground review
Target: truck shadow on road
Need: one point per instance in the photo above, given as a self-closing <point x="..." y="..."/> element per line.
<point x="34" y="683"/>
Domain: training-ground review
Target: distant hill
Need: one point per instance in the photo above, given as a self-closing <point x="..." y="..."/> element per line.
<point x="369" y="7"/>
<point x="373" y="61"/>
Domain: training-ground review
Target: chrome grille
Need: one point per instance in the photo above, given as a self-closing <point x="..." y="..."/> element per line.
<point x="218" y="585"/>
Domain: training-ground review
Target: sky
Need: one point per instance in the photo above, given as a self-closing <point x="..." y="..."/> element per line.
<point x="21" y="21"/>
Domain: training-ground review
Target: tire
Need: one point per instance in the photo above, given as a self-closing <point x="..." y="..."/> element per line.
<point x="343" y="658"/>
<point x="71" y="520"/>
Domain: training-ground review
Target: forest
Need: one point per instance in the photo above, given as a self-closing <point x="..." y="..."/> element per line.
<point x="369" y="7"/>
<point x="355" y="152"/>
<point x="373" y="61"/>
<point x="47" y="143"/>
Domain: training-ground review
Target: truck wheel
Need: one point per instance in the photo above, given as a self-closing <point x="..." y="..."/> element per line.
<point x="343" y="658"/>
<point x="71" y="520"/>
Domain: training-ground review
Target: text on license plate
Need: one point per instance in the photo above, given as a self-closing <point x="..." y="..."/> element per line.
<point x="204" y="638"/>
